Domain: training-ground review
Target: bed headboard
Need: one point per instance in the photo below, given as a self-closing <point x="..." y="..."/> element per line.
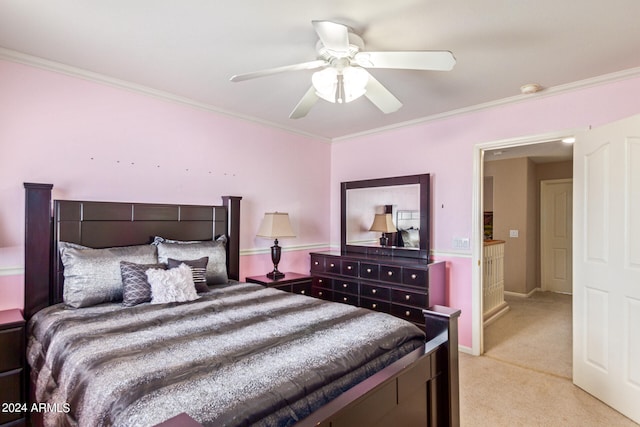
<point x="109" y="224"/>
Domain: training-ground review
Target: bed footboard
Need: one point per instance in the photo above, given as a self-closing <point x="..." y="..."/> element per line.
<point x="421" y="389"/>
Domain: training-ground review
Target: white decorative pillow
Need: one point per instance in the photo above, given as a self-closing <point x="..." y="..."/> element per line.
<point x="174" y="285"/>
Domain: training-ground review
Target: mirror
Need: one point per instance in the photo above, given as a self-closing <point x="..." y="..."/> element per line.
<point x="407" y="201"/>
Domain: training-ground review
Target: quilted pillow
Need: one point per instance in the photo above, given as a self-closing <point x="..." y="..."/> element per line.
<point x="174" y="285"/>
<point x="92" y="276"/>
<point x="198" y="269"/>
<point x="135" y="286"/>
<point x="216" y="272"/>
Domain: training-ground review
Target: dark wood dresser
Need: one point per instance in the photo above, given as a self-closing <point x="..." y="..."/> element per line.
<point x="395" y="285"/>
<point x="12" y="372"/>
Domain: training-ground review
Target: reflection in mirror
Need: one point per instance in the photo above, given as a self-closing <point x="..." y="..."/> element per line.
<point x="402" y="201"/>
<point x="405" y="198"/>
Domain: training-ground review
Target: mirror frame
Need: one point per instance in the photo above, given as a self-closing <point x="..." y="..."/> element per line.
<point x="425" y="216"/>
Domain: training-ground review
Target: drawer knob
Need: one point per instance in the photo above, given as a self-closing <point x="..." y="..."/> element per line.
<point x="349" y="267"/>
<point x="316" y="263"/>
<point x="344" y="285"/>
<point x="368" y="270"/>
<point x="319" y="280"/>
<point x="413" y="276"/>
<point x="302" y="292"/>
<point x="320" y="293"/>
<point x="407" y="297"/>
<point x="374" y="305"/>
<point x="374" y="291"/>
<point x="332" y="265"/>
<point x="390" y="273"/>
<point x="407" y="313"/>
<point x="344" y="299"/>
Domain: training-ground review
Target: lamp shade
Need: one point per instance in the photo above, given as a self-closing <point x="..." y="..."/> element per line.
<point x="383" y="223"/>
<point x="275" y="225"/>
<point x="340" y="86"/>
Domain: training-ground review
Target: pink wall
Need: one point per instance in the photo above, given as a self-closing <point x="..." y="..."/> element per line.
<point x="97" y="142"/>
<point x="444" y="148"/>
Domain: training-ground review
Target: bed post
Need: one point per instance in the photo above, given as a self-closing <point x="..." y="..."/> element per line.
<point x="444" y="394"/>
<point x="37" y="247"/>
<point x="232" y="204"/>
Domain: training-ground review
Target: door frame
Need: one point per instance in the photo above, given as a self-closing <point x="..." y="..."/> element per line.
<point x="543" y="265"/>
<point x="477" y="227"/>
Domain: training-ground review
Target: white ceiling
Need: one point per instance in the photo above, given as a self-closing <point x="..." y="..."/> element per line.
<point x="543" y="152"/>
<point x="189" y="49"/>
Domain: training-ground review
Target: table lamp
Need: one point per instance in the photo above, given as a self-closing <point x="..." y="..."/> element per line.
<point x="275" y="225"/>
<point x="384" y="224"/>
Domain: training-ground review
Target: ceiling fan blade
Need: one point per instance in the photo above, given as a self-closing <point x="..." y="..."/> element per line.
<point x="334" y="36"/>
<point x="440" y="60"/>
<point x="381" y="97"/>
<point x="304" y="105"/>
<point x="270" y="71"/>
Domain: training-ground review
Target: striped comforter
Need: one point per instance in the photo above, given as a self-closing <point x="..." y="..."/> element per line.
<point x="239" y="355"/>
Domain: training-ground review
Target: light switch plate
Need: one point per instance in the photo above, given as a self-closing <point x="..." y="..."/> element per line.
<point x="513" y="233"/>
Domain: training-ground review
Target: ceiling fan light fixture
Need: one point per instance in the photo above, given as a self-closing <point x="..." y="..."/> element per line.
<point x="334" y="86"/>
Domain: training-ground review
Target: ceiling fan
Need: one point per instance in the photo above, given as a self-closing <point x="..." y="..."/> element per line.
<point x="344" y="78"/>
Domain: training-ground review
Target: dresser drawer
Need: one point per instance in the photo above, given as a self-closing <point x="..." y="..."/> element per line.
<point x="376" y="305"/>
<point x="402" y="296"/>
<point x="374" y="291"/>
<point x="345" y="286"/>
<point x="301" y="288"/>
<point x="345" y="298"/>
<point x="349" y="268"/>
<point x="317" y="263"/>
<point x="322" y="293"/>
<point x="286" y="288"/>
<point x="415" y="277"/>
<point x="408" y="313"/>
<point x="11" y="343"/>
<point x="322" y="282"/>
<point x="369" y="271"/>
<point x="390" y="273"/>
<point x="332" y="265"/>
<point x="10" y="392"/>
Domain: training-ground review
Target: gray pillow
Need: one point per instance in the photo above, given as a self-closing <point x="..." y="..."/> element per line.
<point x="92" y="276"/>
<point x="216" y="272"/>
<point x="198" y="269"/>
<point x="135" y="286"/>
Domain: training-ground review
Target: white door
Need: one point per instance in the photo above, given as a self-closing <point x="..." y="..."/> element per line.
<point x="556" y="202"/>
<point x="606" y="298"/>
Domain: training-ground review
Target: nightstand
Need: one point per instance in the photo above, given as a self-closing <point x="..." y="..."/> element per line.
<point x="291" y="282"/>
<point x="12" y="363"/>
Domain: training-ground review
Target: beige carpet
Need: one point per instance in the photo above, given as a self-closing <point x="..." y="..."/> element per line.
<point x="524" y="377"/>
<point x="536" y="333"/>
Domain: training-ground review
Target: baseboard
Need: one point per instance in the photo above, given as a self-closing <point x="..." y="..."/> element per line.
<point x="495" y="314"/>
<point x="520" y="295"/>
<point x="465" y="349"/>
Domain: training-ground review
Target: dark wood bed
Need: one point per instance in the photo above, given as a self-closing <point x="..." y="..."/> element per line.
<point x="420" y="389"/>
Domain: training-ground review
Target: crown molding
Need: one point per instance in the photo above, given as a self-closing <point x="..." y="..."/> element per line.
<point x="45" y="64"/>
<point x="547" y="92"/>
<point x="22" y="58"/>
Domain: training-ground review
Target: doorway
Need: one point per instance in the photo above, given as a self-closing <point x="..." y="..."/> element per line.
<point x="546" y="150"/>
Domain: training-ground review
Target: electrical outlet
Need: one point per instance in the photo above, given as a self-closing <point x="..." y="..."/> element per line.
<point x="513" y="233"/>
